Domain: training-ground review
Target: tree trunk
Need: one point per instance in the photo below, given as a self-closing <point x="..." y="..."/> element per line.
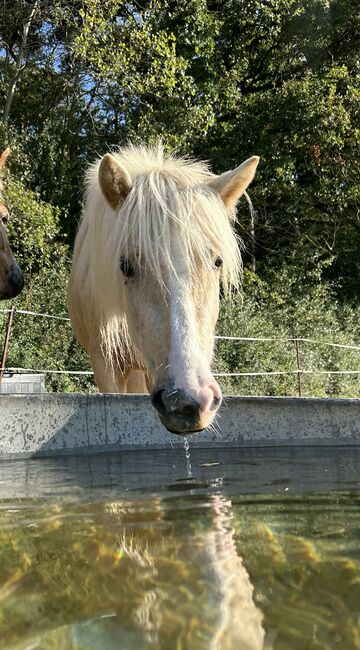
<point x="18" y="68"/>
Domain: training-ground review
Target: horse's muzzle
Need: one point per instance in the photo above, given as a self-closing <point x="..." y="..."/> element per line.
<point x="14" y="282"/>
<point x="180" y="413"/>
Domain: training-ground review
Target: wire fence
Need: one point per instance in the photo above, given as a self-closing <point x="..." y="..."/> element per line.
<point x="298" y="371"/>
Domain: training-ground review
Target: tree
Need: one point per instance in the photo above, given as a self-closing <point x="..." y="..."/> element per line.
<point x="218" y="80"/>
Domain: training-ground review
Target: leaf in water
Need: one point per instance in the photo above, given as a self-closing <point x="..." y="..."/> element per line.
<point x="208" y="464"/>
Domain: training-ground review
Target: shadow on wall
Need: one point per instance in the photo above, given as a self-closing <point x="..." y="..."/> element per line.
<point x="59" y="424"/>
<point x="53" y="424"/>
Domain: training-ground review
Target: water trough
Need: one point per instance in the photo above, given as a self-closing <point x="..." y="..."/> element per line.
<point x="57" y="424"/>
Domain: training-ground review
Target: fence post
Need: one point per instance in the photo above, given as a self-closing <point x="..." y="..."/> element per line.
<point x="298" y="365"/>
<point x="6" y="341"/>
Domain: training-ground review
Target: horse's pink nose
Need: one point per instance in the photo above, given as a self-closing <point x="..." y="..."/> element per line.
<point x="210" y="397"/>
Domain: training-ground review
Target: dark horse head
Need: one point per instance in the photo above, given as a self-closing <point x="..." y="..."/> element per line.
<point x="11" y="278"/>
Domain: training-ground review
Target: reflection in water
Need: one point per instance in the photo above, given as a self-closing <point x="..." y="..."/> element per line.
<point x="217" y="611"/>
<point x="118" y="555"/>
<point x="148" y="574"/>
<point x="239" y="623"/>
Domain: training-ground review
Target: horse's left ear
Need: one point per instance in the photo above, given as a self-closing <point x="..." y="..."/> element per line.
<point x="114" y="180"/>
<point x="231" y="185"/>
<point x="4" y="156"/>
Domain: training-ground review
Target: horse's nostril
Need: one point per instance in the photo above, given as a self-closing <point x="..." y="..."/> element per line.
<point x="157" y="401"/>
<point x="175" y="403"/>
<point x="190" y="411"/>
<point x="215" y="403"/>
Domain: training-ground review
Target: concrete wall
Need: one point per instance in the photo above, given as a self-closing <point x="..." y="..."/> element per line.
<point x="55" y="424"/>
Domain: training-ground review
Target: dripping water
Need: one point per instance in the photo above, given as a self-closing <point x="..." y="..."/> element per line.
<point x="187" y="457"/>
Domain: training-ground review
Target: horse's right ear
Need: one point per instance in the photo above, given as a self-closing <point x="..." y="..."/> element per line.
<point x="114" y="180"/>
<point x="4" y="156"/>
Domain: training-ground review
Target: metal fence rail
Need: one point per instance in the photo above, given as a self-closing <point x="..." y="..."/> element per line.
<point x="298" y="371"/>
<point x="259" y="339"/>
<point x="33" y="313"/>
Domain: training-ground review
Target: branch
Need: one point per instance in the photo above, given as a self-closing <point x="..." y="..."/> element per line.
<point x="18" y="65"/>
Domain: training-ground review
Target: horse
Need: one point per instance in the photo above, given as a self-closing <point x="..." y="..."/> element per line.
<point x="11" y="278"/>
<point x="155" y="240"/>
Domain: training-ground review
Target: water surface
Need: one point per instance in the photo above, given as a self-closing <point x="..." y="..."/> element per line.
<point x="234" y="549"/>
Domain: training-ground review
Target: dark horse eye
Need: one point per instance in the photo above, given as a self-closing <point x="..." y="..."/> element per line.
<point x="218" y="262"/>
<point x="126" y="269"/>
<point x="4" y="219"/>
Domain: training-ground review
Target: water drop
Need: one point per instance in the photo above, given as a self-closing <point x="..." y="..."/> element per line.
<point x="187" y="456"/>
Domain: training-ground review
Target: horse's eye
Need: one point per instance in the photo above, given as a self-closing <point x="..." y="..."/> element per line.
<point x="218" y="262"/>
<point x="126" y="269"/>
<point x="4" y="219"/>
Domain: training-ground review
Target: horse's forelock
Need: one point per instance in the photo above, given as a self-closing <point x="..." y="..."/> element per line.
<point x="170" y="199"/>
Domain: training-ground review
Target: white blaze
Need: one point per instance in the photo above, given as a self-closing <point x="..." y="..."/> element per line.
<point x="186" y="361"/>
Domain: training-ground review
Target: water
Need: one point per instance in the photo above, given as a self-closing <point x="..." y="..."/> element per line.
<point x="249" y="549"/>
<point x="187" y="458"/>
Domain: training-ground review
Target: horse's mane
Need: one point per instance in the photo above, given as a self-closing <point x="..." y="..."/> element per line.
<point x="170" y="201"/>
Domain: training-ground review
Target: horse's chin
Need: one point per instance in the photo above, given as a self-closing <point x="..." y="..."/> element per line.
<point x="183" y="429"/>
<point x="185" y="433"/>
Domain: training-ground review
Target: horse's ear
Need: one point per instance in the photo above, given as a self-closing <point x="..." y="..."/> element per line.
<point x="115" y="181"/>
<point x="231" y="185"/>
<point x="4" y="156"/>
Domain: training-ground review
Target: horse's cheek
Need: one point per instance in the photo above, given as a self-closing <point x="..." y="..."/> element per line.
<point x="3" y="241"/>
<point x="208" y="312"/>
<point x="145" y="323"/>
<point x="3" y="267"/>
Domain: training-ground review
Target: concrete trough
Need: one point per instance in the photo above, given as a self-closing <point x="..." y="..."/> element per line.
<point x="58" y="424"/>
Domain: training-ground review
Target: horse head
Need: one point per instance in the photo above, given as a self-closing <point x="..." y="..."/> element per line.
<point x="173" y="246"/>
<point x="155" y="242"/>
<point x="11" y="278"/>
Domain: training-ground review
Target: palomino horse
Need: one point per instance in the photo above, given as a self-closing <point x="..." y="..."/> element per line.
<point x="11" y="279"/>
<point x="154" y="243"/>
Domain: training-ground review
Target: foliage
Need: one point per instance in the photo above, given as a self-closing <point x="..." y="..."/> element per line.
<point x="47" y="344"/>
<point x="287" y="307"/>
<point x="41" y="343"/>
<point x="220" y="80"/>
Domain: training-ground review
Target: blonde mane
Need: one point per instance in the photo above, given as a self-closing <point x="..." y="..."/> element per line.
<point x="169" y="199"/>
